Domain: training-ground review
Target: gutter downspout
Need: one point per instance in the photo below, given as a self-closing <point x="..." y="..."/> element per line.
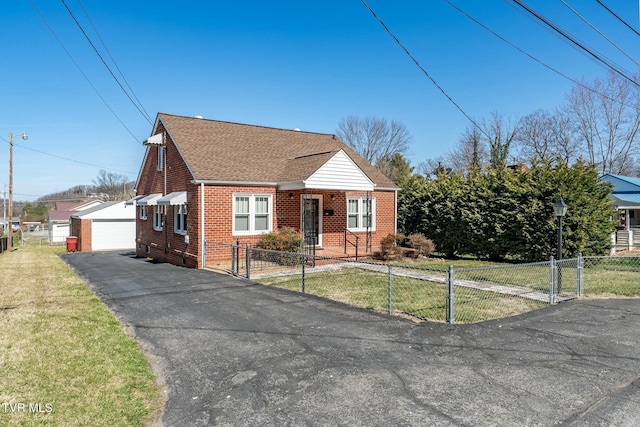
<point x="395" y="215"/>
<point x="163" y="147"/>
<point x="203" y="243"/>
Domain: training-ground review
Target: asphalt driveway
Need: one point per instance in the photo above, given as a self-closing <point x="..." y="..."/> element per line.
<point x="233" y="352"/>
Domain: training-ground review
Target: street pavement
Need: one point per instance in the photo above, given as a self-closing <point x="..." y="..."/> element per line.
<point x="234" y="353"/>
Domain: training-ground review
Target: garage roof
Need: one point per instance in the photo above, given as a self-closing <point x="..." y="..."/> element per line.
<point x="107" y="210"/>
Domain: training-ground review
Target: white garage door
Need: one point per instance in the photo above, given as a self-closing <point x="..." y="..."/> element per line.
<point x="109" y="234"/>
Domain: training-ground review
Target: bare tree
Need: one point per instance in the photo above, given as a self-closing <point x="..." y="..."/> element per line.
<point x="547" y="137"/>
<point x="374" y="138"/>
<point x="606" y="114"/>
<point x="565" y="143"/>
<point x="500" y="134"/>
<point x="487" y="145"/>
<point x="534" y="137"/>
<point x="112" y="186"/>
<point x="469" y="153"/>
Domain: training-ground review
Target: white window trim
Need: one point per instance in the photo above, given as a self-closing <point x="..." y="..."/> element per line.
<point x="157" y="217"/>
<point x="143" y="212"/>
<point x="252" y="214"/>
<point x="361" y="202"/>
<point x="176" y="222"/>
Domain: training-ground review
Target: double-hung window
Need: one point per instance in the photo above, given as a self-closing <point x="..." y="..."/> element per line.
<point x="252" y="213"/>
<point x="157" y="217"/>
<point x="180" y="219"/>
<point x="143" y="212"/>
<point x="361" y="214"/>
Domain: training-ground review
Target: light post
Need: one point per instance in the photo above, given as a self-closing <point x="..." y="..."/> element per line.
<point x="560" y="209"/>
<point x="10" y="238"/>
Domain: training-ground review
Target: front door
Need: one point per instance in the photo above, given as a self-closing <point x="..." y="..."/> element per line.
<point x="311" y="227"/>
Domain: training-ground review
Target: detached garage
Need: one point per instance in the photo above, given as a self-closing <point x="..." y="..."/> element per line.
<point x="109" y="226"/>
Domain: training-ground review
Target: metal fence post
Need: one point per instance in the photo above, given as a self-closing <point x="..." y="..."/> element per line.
<point x="450" y="295"/>
<point x="389" y="284"/>
<point x="248" y="262"/>
<point x="580" y="274"/>
<point x="303" y="261"/>
<point x="238" y="256"/>
<point x="552" y="280"/>
<point x="233" y="260"/>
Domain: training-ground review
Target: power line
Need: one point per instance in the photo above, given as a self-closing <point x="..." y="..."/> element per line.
<point x="82" y="72"/>
<point x="399" y="43"/>
<point x="620" y="19"/>
<point x="531" y="56"/>
<point x="67" y="159"/>
<point x="113" y="59"/>
<point x="599" y="32"/>
<point x="574" y="41"/>
<point x="86" y="36"/>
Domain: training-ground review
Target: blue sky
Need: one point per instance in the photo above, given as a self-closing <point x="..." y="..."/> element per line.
<point x="281" y="64"/>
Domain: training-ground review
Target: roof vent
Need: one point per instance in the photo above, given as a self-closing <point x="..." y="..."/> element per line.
<point x="197" y="117"/>
<point x="297" y="129"/>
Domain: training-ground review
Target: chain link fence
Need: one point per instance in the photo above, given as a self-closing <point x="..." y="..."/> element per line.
<point x="616" y="276"/>
<point x="465" y="295"/>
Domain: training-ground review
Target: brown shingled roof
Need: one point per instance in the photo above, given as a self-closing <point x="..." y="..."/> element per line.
<point x="224" y="151"/>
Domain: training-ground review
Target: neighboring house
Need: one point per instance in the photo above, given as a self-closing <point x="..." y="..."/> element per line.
<point x="32" y="226"/>
<point x="15" y="224"/>
<point x="107" y="226"/>
<point x="221" y="183"/>
<point x="60" y="216"/>
<point x="626" y="202"/>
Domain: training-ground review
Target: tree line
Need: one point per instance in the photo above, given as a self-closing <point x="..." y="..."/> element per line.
<point x="492" y="195"/>
<point x="599" y="124"/>
<point x="106" y="186"/>
<point x="504" y="213"/>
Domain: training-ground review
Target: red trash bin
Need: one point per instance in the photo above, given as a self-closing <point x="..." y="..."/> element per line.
<point x="72" y="244"/>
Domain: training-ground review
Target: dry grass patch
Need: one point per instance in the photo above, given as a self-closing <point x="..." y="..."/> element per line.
<point x="63" y="354"/>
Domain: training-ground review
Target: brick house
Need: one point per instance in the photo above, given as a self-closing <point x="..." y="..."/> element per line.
<point x="204" y="184"/>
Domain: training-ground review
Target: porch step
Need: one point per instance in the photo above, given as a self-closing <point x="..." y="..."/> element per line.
<point x="338" y="252"/>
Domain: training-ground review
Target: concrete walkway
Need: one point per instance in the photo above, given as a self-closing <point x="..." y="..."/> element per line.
<point x="233" y="353"/>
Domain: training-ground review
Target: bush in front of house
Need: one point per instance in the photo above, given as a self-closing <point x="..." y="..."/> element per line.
<point x="390" y="246"/>
<point x="284" y="240"/>
<point x="421" y="244"/>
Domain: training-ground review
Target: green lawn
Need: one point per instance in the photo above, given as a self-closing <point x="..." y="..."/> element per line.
<point x="418" y="299"/>
<point x="618" y="276"/>
<point x="422" y="299"/>
<point x="65" y="359"/>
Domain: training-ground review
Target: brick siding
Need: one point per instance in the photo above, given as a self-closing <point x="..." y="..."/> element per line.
<point x="81" y="228"/>
<point x="166" y="245"/>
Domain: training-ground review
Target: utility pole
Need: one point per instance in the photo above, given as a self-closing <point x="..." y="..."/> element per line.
<point x="10" y="239"/>
<point x="4" y="210"/>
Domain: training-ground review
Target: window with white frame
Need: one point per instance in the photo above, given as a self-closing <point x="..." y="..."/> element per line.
<point x="361" y="214"/>
<point x="252" y="213"/>
<point x="160" y="157"/>
<point x="157" y="217"/>
<point x="143" y="212"/>
<point x="180" y="219"/>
